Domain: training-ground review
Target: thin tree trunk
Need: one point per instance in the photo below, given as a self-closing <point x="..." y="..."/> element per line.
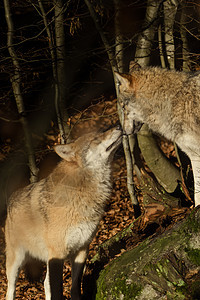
<point x="118" y="38"/>
<point x="130" y="180"/>
<point x="115" y="68"/>
<point x="161" y="50"/>
<point x="183" y="32"/>
<point x="146" y="38"/>
<point x="16" y="85"/>
<point x="170" y="10"/>
<point x="55" y="74"/>
<point x="60" y="55"/>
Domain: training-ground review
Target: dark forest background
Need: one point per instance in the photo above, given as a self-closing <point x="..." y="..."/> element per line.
<point x="57" y="70"/>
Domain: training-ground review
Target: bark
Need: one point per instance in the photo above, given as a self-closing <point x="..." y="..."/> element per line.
<point x="16" y="85"/>
<point x="163" y="267"/>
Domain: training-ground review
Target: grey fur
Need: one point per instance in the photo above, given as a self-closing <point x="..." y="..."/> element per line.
<point x="169" y="103"/>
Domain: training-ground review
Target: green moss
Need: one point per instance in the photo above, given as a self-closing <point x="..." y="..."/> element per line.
<point x="115" y="288"/>
<point x="102" y="286"/>
<point x="162" y="268"/>
<point x="121" y="287"/>
<point x="194" y="255"/>
<point x="177" y="296"/>
<point x="149" y="261"/>
<point x="193" y="222"/>
<point x="178" y="290"/>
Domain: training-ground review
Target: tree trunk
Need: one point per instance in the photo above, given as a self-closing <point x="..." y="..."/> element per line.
<point x="183" y="32"/>
<point x="60" y="59"/>
<point x="118" y="38"/>
<point x="166" y="267"/>
<point x="146" y="38"/>
<point x="55" y="74"/>
<point x="170" y="10"/>
<point x="16" y="85"/>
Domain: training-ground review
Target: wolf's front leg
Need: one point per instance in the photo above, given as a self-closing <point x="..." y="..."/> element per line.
<point x="14" y="261"/>
<point x="77" y="272"/>
<point x="53" y="283"/>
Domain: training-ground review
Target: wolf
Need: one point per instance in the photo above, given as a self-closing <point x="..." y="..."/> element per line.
<point x="56" y="218"/>
<point x="168" y="101"/>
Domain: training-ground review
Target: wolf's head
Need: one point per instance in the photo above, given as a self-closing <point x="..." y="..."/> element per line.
<point x="91" y="150"/>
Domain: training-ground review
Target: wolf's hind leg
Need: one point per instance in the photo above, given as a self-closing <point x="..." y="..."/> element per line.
<point x="77" y="272"/>
<point x="14" y="261"/>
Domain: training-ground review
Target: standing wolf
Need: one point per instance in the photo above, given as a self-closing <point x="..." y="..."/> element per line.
<point x="56" y="218"/>
<point x="169" y="103"/>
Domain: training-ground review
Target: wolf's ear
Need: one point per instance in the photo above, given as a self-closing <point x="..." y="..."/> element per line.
<point x="123" y="79"/>
<point x="65" y="151"/>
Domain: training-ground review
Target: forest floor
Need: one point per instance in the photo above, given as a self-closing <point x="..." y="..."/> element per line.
<point x="118" y="216"/>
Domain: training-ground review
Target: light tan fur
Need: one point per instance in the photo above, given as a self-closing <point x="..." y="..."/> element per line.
<point x="169" y="103"/>
<point x="57" y="217"/>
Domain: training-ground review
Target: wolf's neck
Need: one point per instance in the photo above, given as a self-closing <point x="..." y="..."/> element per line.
<point x="76" y="177"/>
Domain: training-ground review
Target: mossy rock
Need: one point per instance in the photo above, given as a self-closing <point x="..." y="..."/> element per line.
<point x="157" y="268"/>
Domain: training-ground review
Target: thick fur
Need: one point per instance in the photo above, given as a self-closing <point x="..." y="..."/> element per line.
<point x="169" y="103"/>
<point x="56" y="218"/>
